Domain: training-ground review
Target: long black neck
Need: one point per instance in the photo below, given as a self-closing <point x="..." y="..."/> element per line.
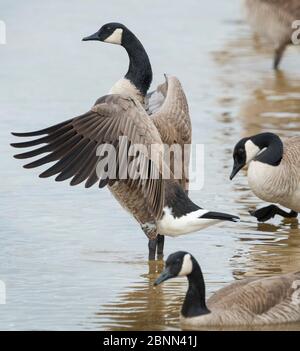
<point x="139" y="71"/>
<point x="194" y="302"/>
<point x="274" y="148"/>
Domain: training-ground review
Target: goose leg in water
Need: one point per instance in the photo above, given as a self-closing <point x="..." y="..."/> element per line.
<point x="268" y="212"/>
<point x="278" y="55"/>
<point x="156" y="245"/>
<point x="152" y="249"/>
<point x="160" y="246"/>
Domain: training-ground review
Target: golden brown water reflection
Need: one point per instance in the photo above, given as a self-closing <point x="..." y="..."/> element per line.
<point x="144" y="307"/>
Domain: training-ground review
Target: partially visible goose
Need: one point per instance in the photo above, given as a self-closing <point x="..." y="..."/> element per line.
<point x="167" y="105"/>
<point x="273" y="19"/>
<point x="252" y="301"/>
<point x="273" y="173"/>
<point x="159" y="205"/>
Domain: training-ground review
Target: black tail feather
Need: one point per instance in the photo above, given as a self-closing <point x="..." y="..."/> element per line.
<point x="221" y="216"/>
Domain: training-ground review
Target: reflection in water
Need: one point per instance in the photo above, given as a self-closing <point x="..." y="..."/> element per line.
<point x="144" y="307"/>
<point x="276" y="253"/>
<point x="274" y="106"/>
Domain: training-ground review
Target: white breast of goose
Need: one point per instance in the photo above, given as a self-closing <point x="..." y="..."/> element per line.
<point x="124" y="86"/>
<point x="267" y="20"/>
<point x="269" y="183"/>
<point x="174" y="226"/>
<point x="275" y="184"/>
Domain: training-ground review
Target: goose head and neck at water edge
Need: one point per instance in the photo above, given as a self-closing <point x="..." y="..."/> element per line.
<point x="182" y="264"/>
<point x="138" y="78"/>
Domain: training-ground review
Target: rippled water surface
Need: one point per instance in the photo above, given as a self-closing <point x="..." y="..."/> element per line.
<point x="71" y="258"/>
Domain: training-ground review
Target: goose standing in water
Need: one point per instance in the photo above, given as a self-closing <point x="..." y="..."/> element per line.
<point x="273" y="172"/>
<point x="167" y="105"/>
<point x="159" y="205"/>
<point x="273" y="19"/>
<point x="247" y="302"/>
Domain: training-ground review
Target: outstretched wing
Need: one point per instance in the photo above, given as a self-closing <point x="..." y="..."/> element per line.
<point x="73" y="144"/>
<point x="170" y="114"/>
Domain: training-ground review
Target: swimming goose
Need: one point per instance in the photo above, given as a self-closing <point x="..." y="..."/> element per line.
<point x="273" y="19"/>
<point x="159" y="205"/>
<point x="252" y="301"/>
<point x="273" y="172"/>
<point x="167" y="105"/>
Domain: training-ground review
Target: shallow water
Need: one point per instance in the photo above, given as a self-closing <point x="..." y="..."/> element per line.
<point x="71" y="258"/>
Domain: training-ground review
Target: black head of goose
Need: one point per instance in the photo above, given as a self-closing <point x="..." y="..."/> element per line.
<point x="265" y="147"/>
<point x="273" y="172"/>
<point x="246" y="302"/>
<point x="139" y="76"/>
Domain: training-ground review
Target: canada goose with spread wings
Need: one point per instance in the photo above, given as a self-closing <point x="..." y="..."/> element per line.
<point x="167" y="104"/>
<point x="159" y="205"/>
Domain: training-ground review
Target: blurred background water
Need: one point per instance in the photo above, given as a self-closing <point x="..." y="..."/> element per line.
<point x="71" y="258"/>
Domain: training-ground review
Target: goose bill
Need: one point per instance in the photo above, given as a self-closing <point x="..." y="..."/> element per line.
<point x="236" y="168"/>
<point x="94" y="36"/>
<point x="165" y="275"/>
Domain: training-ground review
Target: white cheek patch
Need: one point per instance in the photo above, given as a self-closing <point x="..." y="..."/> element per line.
<point x="115" y="37"/>
<point x="251" y="150"/>
<point x="187" y="266"/>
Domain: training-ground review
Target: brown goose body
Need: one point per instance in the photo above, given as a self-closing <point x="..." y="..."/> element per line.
<point x="253" y="301"/>
<point x="172" y="121"/>
<point x="168" y="109"/>
<point x="272" y="19"/>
